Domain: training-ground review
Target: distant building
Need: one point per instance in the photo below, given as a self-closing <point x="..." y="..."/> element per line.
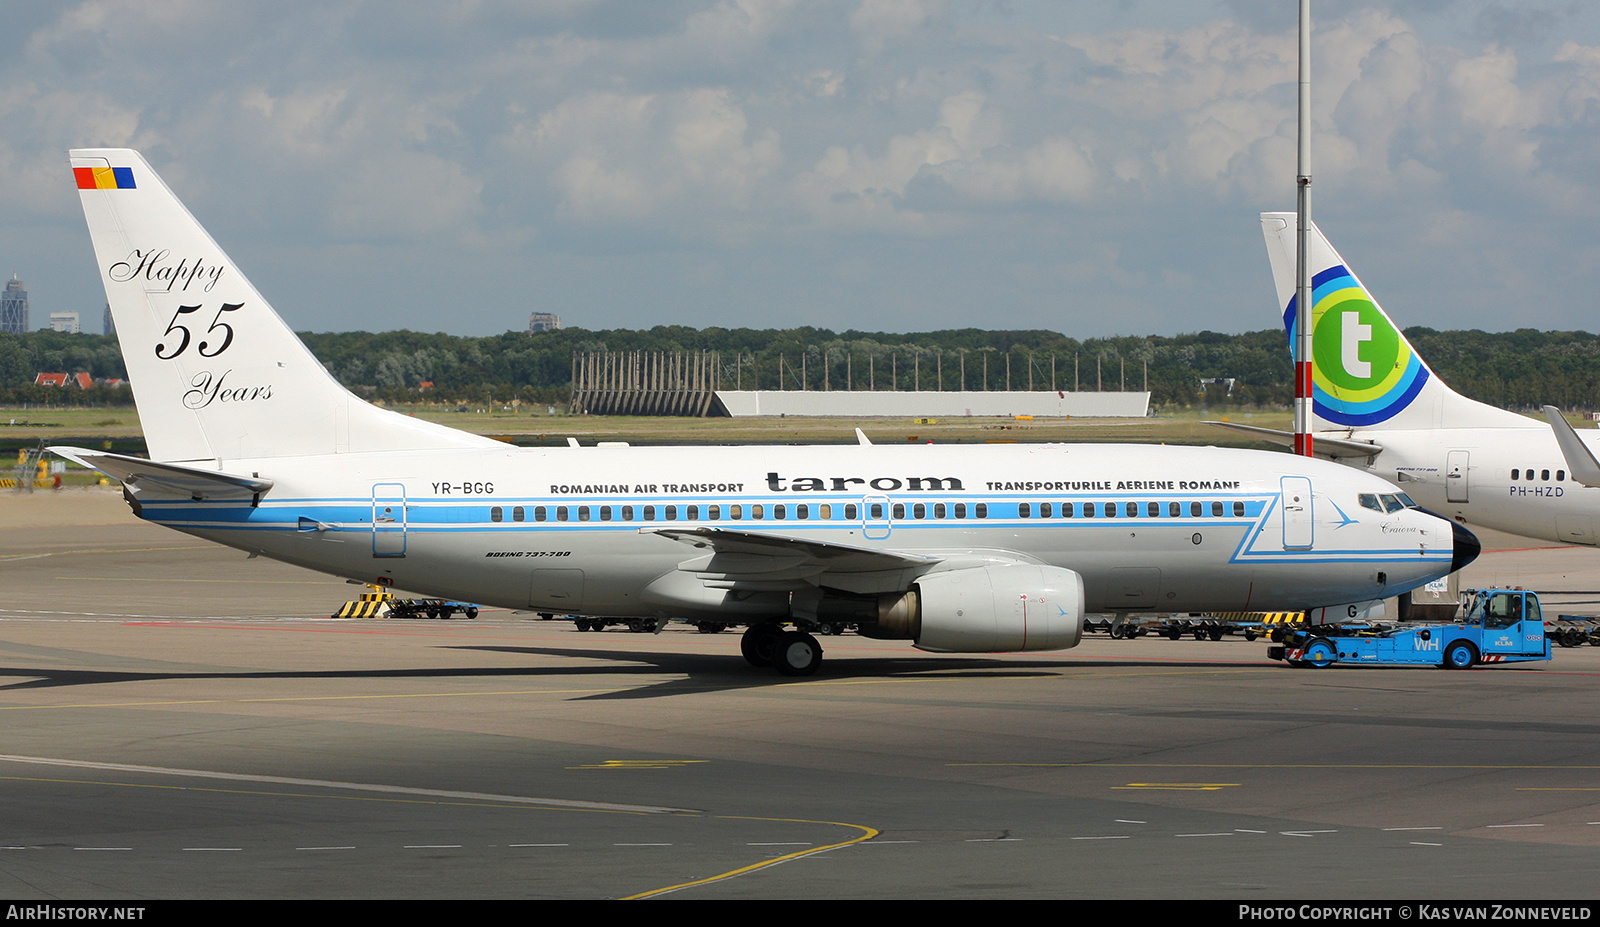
<point x="14" y="308"/>
<point x="543" y="322"/>
<point x="65" y="322"/>
<point x="108" y="325"/>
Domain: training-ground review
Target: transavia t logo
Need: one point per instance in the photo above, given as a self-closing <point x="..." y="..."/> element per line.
<point x="1365" y="372"/>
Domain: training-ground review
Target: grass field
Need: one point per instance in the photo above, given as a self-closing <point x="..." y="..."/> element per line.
<point x="120" y="426"/>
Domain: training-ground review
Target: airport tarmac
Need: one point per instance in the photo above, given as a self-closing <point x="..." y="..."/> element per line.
<point x="181" y="722"/>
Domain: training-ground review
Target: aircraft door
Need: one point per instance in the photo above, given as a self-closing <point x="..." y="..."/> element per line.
<point x="1455" y="476"/>
<point x="388" y="520"/>
<point x="875" y="521"/>
<point x="1298" y="524"/>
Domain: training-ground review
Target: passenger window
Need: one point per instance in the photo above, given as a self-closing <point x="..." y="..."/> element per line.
<point x="649" y="513"/>
<point x="496" y="515"/>
<point x="1024" y="510"/>
<point x="981" y="510"/>
<point x="961" y="510"/>
<point x="672" y="513"/>
<point x="539" y="513"/>
<point x="758" y="512"/>
<point x="627" y="513"/>
<point x="1216" y="510"/>
<point x="605" y="513"/>
<point x="735" y="512"/>
<point x="1153" y="510"/>
<point x="1561" y="475"/>
<point x="713" y="513"/>
<point x="691" y="513"/>
<point x="583" y="513"/>
<point x="802" y="511"/>
<point x="850" y="511"/>
<point x="825" y="512"/>
<point x="1516" y="473"/>
<point x="1044" y="510"/>
<point x="1194" y="510"/>
<point x="1238" y="509"/>
<point x="780" y="512"/>
<point x="1088" y="510"/>
<point x="919" y="511"/>
<point x="899" y="510"/>
<point x="517" y="513"/>
<point x="1544" y="475"/>
<point x="1133" y="509"/>
<point x="561" y="513"/>
<point x="1174" y="510"/>
<point x="938" y="510"/>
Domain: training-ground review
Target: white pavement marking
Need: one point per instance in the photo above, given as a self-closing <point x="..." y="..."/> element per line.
<point x="353" y="786"/>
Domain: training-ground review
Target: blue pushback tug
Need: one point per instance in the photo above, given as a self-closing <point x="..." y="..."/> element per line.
<point x="1501" y="626"/>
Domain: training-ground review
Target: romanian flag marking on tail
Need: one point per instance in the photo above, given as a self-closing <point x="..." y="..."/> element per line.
<point x="104" y="178"/>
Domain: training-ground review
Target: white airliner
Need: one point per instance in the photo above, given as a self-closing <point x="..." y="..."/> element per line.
<point x="1378" y="407"/>
<point x="957" y="549"/>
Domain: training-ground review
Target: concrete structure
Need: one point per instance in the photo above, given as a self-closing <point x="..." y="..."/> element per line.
<point x="108" y="325"/>
<point x="65" y="322"/>
<point x="14" y="308"/>
<point x="543" y="322"/>
<point x="857" y="404"/>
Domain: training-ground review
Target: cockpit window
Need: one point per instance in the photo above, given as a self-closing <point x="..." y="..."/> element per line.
<point x="1369" y="500"/>
<point x="1406" y="500"/>
<point x="1391" y="503"/>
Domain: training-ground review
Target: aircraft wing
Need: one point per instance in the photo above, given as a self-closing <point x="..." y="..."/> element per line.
<point x="167" y="478"/>
<point x="752" y="560"/>
<point x="1324" y="445"/>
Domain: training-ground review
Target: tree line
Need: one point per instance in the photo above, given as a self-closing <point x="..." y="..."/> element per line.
<point x="1519" y="369"/>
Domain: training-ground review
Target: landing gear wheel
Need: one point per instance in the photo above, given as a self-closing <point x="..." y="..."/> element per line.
<point x="796" y="653"/>
<point x="1460" y="656"/>
<point x="1320" y="653"/>
<point x="758" y="643"/>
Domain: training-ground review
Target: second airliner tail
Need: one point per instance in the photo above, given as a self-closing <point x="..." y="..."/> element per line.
<point x="1367" y="376"/>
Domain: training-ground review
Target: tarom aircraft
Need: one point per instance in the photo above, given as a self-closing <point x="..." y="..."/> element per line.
<point x="1379" y="408"/>
<point x="956" y="549"/>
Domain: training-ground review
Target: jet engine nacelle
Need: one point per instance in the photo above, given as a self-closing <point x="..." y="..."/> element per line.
<point x="990" y="609"/>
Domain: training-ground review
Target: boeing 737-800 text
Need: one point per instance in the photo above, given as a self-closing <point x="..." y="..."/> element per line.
<point x="1378" y="407"/>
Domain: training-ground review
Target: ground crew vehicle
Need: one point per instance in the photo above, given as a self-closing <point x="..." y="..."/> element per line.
<point x="1501" y="626"/>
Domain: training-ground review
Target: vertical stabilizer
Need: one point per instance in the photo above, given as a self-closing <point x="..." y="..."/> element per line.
<point x="1367" y="375"/>
<point x="216" y="373"/>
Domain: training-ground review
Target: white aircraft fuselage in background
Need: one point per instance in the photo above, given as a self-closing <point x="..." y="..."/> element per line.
<point x="966" y="549"/>
<point x="1379" y="408"/>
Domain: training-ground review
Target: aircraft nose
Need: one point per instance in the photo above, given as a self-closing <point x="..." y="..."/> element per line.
<point x="1466" y="547"/>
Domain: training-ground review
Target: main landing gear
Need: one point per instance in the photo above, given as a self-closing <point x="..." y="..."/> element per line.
<point x="792" y="653"/>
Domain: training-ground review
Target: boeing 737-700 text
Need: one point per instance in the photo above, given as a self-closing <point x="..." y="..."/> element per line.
<point x="957" y="549"/>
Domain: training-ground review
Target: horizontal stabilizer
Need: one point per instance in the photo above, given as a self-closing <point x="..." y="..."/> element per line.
<point x="1323" y="445"/>
<point x="167" y="478"/>
<point x="1580" y="460"/>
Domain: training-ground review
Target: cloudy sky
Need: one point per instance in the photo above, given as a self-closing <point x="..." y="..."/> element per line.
<point x="898" y="165"/>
